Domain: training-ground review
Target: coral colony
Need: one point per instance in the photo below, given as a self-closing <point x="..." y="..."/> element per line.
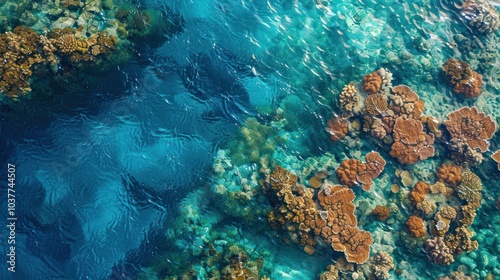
<point x="409" y="202"/>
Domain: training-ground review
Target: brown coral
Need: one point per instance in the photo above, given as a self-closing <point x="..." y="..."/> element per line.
<point x="331" y="273"/>
<point x="461" y="242"/>
<point x="468" y="214"/>
<point x="337" y="128"/>
<point x="67" y="43"/>
<point x="474" y="127"/>
<point x="372" y="83"/>
<point x="404" y="102"/>
<point x="496" y="157"/>
<point x="339" y="207"/>
<point x="348" y="171"/>
<point x="375" y="164"/>
<point x="411" y="143"/>
<point x="376" y="104"/>
<point x="416" y="226"/>
<point x="470" y="188"/>
<point x="352" y="171"/>
<point x="349" y="98"/>
<point x="381" y="264"/>
<point x="438" y="252"/>
<point x="354" y="243"/>
<point x="333" y="219"/>
<point x="20" y="50"/>
<point x="417" y="194"/>
<point x="450" y="174"/>
<point x="381" y="212"/>
<point x="462" y="78"/>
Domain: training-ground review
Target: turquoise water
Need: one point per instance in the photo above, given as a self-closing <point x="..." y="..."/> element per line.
<point x="162" y="166"/>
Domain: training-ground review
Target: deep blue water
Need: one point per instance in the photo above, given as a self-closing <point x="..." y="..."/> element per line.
<point x="100" y="173"/>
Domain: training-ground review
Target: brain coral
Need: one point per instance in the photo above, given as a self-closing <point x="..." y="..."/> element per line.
<point x="462" y="78"/>
<point x="474" y="127"/>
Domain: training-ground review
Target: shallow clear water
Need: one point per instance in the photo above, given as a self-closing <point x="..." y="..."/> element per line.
<point x="136" y="174"/>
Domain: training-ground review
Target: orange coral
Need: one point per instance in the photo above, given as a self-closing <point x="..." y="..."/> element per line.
<point x="331" y="218"/>
<point x="405" y="103"/>
<point x="417" y="194"/>
<point x="496" y="157"/>
<point x="432" y="125"/>
<point x="411" y="143"/>
<point x="450" y="174"/>
<point x="374" y="167"/>
<point x="381" y="213"/>
<point x="339" y="207"/>
<point x="348" y="171"/>
<point x="354" y="243"/>
<point x="337" y="127"/>
<point x="375" y="164"/>
<point x="372" y="83"/>
<point x="416" y="226"/>
<point x="462" y="78"/>
<point x="352" y="171"/>
<point x="376" y="104"/>
<point x="472" y="126"/>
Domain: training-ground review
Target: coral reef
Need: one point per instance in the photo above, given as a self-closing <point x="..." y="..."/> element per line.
<point x="352" y="172"/>
<point x="496" y="157"/>
<point x="21" y="50"/>
<point x="462" y="78"/>
<point x="372" y="83"/>
<point x="296" y="211"/>
<point x="480" y="15"/>
<point x="254" y="142"/>
<point x="411" y="143"/>
<point x="416" y="226"/>
<point x="337" y="128"/>
<point x="470" y="132"/>
<point x="381" y="264"/>
<point x="24" y="50"/>
<point x="438" y="252"/>
<point x="450" y="174"/>
<point x="381" y="212"/>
